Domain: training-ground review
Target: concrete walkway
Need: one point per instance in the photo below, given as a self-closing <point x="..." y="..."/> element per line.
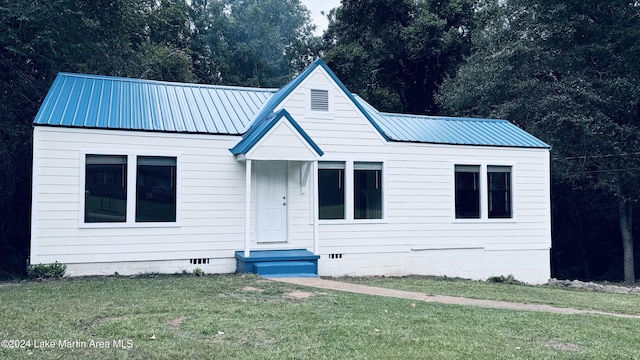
<point x="443" y="299"/>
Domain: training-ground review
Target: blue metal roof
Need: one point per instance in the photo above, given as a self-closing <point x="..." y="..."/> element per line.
<point x="451" y="130"/>
<point x="130" y="104"/>
<point x="262" y="126"/>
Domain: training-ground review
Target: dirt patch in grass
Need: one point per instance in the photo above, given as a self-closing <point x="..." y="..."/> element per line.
<point x="562" y="346"/>
<point x="297" y="294"/>
<point x="176" y="323"/>
<point x="251" y="288"/>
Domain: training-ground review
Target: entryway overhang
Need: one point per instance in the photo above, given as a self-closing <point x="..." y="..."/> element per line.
<point x="278" y="137"/>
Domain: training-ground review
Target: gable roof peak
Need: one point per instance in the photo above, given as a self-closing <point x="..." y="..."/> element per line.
<point x="286" y="90"/>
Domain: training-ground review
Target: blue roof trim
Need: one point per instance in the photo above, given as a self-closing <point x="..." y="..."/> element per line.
<point x="262" y="126"/>
<point x="279" y="96"/>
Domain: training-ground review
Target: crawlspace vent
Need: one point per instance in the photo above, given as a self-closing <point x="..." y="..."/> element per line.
<point x="198" y="261"/>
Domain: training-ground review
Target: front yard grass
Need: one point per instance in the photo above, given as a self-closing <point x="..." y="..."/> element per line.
<point x="245" y="317"/>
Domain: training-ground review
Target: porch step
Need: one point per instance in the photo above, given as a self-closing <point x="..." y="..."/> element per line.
<point x="278" y="263"/>
<point x="285" y="268"/>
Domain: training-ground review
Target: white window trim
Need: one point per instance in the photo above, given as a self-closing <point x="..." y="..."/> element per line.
<point x="349" y="195"/>
<point x="319" y="114"/>
<point x="484" y="196"/>
<point x="132" y="157"/>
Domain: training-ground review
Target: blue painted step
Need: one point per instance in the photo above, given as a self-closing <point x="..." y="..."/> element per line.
<point x="279" y="263"/>
<point x="284" y="268"/>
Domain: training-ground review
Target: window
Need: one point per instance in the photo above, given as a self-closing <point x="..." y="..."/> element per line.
<point x="111" y="197"/>
<point x="467" y="191"/>
<point x="350" y="191"/>
<point x="331" y="190"/>
<point x="367" y="190"/>
<point x="319" y="100"/>
<point x="156" y="189"/>
<point x="105" y="192"/>
<point x="499" y="191"/>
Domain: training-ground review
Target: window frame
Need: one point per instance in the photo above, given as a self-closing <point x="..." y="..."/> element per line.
<point x="470" y="169"/>
<point x="156" y="191"/>
<point x="492" y="169"/>
<point x="367" y="166"/>
<point x="484" y="192"/>
<point x="124" y="171"/>
<point x="349" y="187"/>
<point x="132" y="161"/>
<point x="342" y="168"/>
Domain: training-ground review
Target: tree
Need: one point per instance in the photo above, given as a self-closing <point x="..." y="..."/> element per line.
<point x="260" y="43"/>
<point x="164" y="49"/>
<point x="395" y="53"/>
<point x="39" y="39"/>
<point x="569" y="72"/>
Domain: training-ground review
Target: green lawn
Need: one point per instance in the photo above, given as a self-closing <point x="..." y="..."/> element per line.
<point x="244" y="317"/>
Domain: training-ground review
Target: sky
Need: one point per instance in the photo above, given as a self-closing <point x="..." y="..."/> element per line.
<point x="316" y="6"/>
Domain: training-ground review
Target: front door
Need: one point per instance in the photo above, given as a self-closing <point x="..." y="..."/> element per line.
<point x="271" y="201"/>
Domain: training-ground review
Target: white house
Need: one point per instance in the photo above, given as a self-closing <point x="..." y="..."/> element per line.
<point x="134" y="176"/>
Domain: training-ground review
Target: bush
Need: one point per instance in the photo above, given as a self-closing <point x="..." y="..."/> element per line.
<point x="503" y="280"/>
<point x="46" y="271"/>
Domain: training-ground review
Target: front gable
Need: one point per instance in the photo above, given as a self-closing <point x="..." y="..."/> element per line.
<point x="303" y="98"/>
<point x="276" y="137"/>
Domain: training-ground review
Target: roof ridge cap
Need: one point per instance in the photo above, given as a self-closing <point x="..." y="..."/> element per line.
<point x="165" y="82"/>
<point x="442" y="117"/>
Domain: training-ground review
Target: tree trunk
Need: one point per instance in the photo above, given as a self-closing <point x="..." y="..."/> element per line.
<point x="626" y="217"/>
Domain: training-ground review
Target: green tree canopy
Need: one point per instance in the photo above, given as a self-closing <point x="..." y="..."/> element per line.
<point x="395" y="53"/>
<point x="260" y="43"/>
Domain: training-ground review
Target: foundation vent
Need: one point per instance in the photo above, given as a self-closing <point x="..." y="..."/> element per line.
<point x="335" y="256"/>
<point x="198" y="261"/>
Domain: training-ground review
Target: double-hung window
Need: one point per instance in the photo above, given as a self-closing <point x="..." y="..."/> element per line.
<point x="472" y="201"/>
<point x="499" y="191"/>
<point x="331" y="190"/>
<point x="350" y="190"/>
<point x="367" y="190"/>
<point x="105" y="193"/>
<point x="156" y="189"/>
<point x="467" y="193"/>
<point x="109" y="198"/>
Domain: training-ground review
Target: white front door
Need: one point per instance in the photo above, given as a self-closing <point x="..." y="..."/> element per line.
<point x="271" y="201"/>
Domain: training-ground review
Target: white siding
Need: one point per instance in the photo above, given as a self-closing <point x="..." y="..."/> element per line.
<point x="419" y="217"/>
<point x="211" y="196"/>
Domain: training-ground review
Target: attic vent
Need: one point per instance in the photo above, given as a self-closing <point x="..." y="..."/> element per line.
<point x="198" y="261"/>
<point x="319" y="100"/>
